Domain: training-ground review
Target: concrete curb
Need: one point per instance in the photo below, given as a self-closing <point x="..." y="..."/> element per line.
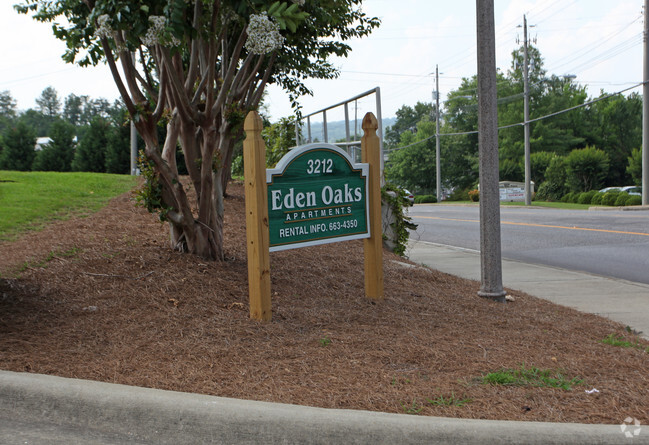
<point x="62" y="410"/>
<point x="621" y="208"/>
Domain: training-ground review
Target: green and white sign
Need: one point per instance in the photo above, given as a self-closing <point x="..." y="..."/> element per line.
<point x="316" y="195"/>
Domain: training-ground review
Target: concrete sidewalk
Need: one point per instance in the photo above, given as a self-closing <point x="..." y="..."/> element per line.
<point x="623" y="301"/>
<point x="38" y="409"/>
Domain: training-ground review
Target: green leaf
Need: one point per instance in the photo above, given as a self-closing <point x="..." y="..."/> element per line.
<point x="290" y="24"/>
<point x="273" y="8"/>
<point x="281" y="9"/>
<point x="301" y="15"/>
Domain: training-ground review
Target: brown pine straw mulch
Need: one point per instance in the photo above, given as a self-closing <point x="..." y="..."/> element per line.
<point x="104" y="298"/>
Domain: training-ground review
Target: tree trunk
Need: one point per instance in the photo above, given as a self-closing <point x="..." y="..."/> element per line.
<point x="226" y="145"/>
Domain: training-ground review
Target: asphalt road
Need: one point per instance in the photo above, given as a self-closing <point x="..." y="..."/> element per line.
<point x="610" y="243"/>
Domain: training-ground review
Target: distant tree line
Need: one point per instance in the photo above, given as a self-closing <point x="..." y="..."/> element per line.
<point x="588" y="148"/>
<point x="85" y="134"/>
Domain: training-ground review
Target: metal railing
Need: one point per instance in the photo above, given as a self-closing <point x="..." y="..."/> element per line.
<point x="351" y="146"/>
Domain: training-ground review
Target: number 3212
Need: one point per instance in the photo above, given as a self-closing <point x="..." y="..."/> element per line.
<point x="316" y="166"/>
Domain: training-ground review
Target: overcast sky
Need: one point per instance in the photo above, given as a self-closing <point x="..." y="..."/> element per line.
<point x="599" y="41"/>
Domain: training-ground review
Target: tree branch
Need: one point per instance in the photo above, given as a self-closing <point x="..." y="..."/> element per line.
<point x="117" y="77"/>
<point x="162" y="97"/>
<point x="227" y="81"/>
<point x="256" y="98"/>
<point x="245" y="84"/>
<point x="177" y="87"/>
<point x="129" y="70"/>
<point x="149" y="80"/>
<point x="169" y="148"/>
<point x="192" y="73"/>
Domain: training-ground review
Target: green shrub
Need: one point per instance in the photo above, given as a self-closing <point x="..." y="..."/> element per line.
<point x="586" y="168"/>
<point x="570" y="197"/>
<point x="621" y="199"/>
<point x="237" y="166"/>
<point x="421" y="199"/>
<point x="510" y="170"/>
<point x="597" y="199"/>
<point x="539" y="163"/>
<point x="635" y="166"/>
<point x="633" y="200"/>
<point x="549" y="191"/>
<point x="609" y="197"/>
<point x="459" y="195"/>
<point x="586" y="197"/>
<point x="555" y="174"/>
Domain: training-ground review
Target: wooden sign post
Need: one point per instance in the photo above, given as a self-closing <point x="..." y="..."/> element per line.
<point x="373" y="246"/>
<point x="254" y="159"/>
<point x="318" y="195"/>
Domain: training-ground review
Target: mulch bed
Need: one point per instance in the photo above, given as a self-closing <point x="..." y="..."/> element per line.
<point x="104" y="298"/>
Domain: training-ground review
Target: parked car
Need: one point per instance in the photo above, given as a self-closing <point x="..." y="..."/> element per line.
<point x="410" y="197"/>
<point x="632" y="190"/>
<point x="608" y="189"/>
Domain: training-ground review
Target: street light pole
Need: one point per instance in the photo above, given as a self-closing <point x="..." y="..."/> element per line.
<point x="490" y="250"/>
<point x="133" y="149"/>
<point x="133" y="137"/>
<point x="438" y="165"/>
<point x="645" y="109"/>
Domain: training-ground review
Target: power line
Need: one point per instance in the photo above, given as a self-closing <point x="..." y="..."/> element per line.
<point x="529" y="121"/>
<point x="610" y="53"/>
<point x="545" y="12"/>
<point x="588" y="49"/>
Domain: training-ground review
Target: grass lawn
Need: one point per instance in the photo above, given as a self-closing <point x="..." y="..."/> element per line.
<point x="28" y="200"/>
<point x="554" y="205"/>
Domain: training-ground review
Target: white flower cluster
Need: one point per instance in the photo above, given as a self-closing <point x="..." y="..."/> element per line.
<point x="155" y="31"/>
<point x="263" y="34"/>
<point x="155" y="34"/>
<point x="299" y="2"/>
<point x="104" y="29"/>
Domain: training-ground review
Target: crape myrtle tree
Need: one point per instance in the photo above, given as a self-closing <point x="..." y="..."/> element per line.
<point x="199" y="66"/>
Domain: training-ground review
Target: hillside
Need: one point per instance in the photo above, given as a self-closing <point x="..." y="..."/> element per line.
<point x="336" y="130"/>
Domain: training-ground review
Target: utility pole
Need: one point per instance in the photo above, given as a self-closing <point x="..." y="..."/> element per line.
<point x="526" y="117"/>
<point x="490" y="249"/>
<point x="133" y="137"/>
<point x="645" y="109"/>
<point x="133" y="149"/>
<point x="438" y="165"/>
